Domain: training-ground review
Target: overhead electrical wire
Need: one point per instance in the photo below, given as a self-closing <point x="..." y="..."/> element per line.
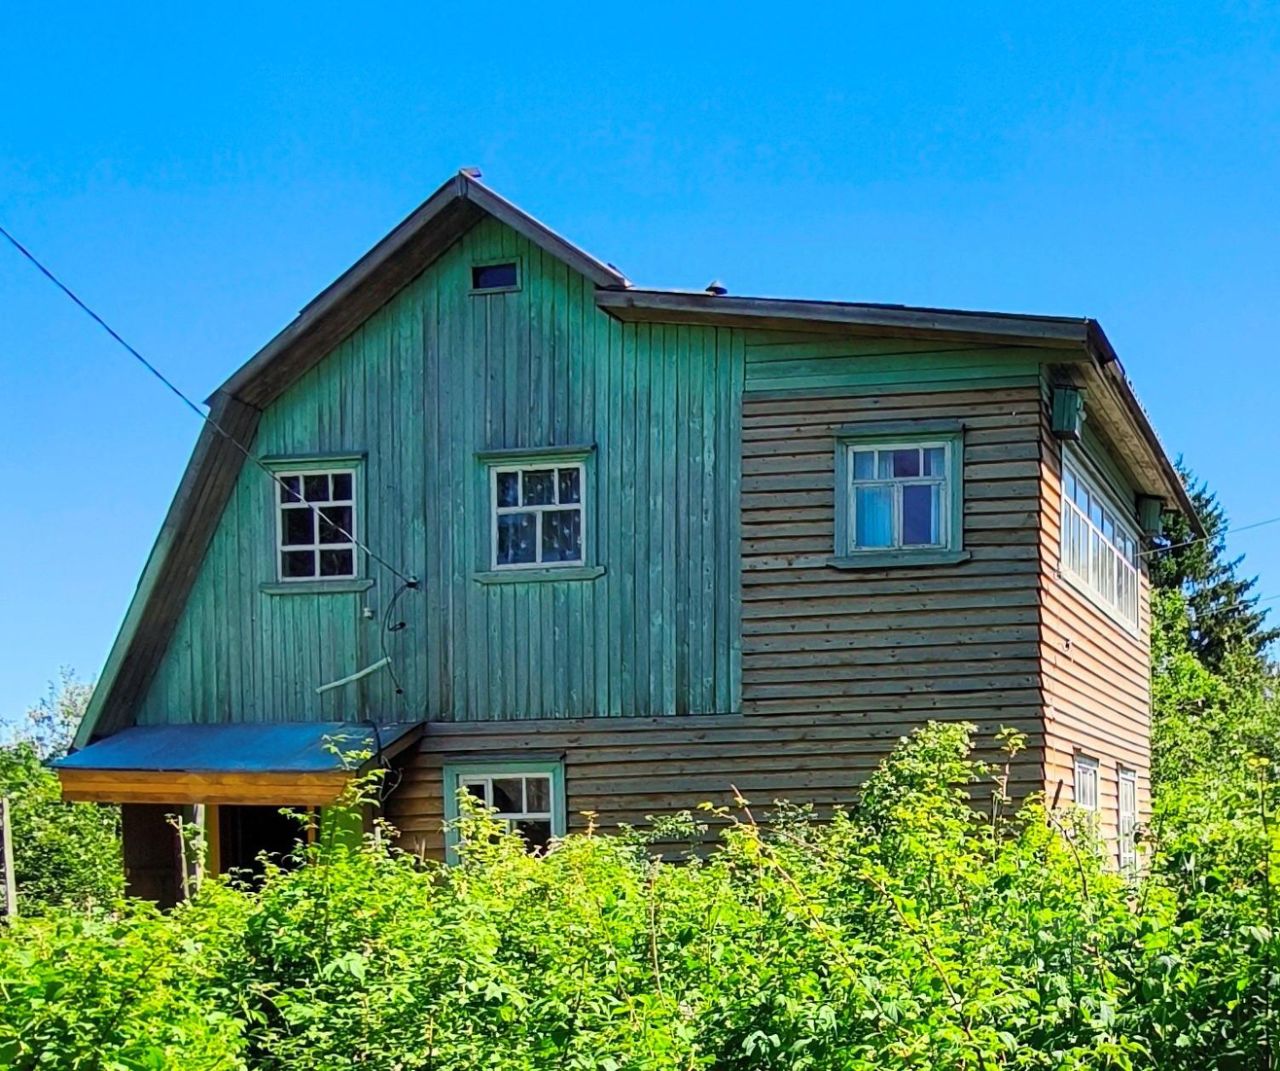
<point x="408" y="580"/>
<point x="1206" y="538"/>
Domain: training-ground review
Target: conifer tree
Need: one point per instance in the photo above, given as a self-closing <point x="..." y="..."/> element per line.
<point x="1223" y="617"/>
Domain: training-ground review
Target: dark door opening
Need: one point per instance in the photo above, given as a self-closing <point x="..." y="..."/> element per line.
<point x="244" y="833"/>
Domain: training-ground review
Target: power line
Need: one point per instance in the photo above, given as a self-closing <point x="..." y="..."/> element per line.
<point x="408" y="579"/>
<point x="1205" y="538"/>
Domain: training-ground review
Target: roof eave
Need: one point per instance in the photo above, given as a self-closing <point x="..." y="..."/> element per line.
<point x="1079" y="339"/>
<point x="674" y="306"/>
<point x="1108" y="362"/>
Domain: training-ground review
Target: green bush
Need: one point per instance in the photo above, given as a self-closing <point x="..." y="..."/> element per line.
<point x="65" y="854"/>
<point x="913" y="931"/>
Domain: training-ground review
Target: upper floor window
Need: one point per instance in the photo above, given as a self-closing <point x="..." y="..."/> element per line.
<point x="537" y="515"/>
<point x="900" y="494"/>
<point x="316" y="528"/>
<point x="1099" y="546"/>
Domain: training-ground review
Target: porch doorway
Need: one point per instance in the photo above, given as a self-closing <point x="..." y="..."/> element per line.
<point x="245" y="832"/>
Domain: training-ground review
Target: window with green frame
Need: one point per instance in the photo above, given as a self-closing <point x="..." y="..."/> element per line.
<point x="899" y="493"/>
<point x="528" y="795"/>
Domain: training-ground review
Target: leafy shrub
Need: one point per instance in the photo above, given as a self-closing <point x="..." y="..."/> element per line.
<point x="912" y="931"/>
<point x="65" y="854"/>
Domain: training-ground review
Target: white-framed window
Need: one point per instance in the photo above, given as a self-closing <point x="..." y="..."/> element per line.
<point x="537" y="514"/>
<point x="1086" y="782"/>
<point x="528" y="796"/>
<point x="1100" y="546"/>
<point x="1127" y="817"/>
<point x="900" y="495"/>
<point x="316" y="524"/>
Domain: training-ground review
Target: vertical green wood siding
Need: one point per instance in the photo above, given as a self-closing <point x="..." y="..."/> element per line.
<point x="435" y="376"/>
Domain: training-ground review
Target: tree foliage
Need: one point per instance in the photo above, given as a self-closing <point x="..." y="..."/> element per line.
<point x="1222" y="616"/>
<point x="64" y="853"/>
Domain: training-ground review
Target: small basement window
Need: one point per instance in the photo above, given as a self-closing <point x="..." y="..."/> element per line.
<point x="537" y="515"/>
<point x="316" y="525"/>
<point x="503" y="276"/>
<point x="1086" y="775"/>
<point x="1127" y="818"/>
<point x="527" y="796"/>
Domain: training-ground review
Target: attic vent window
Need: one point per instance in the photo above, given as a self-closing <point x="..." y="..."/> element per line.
<point x="491" y="277"/>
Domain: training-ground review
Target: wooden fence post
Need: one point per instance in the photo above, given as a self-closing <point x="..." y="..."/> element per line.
<point x="6" y="861"/>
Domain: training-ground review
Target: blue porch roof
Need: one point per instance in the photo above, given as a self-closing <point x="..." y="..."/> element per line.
<point x="288" y="747"/>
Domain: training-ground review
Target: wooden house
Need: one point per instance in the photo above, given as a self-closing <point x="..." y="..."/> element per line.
<point x="518" y="526"/>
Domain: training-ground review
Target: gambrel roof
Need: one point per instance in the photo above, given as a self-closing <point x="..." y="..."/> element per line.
<point x="413" y="245"/>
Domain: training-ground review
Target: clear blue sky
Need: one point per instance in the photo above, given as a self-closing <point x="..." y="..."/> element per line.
<point x="199" y="177"/>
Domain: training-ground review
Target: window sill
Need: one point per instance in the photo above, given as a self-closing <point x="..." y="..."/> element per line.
<point x="1099" y="603"/>
<point x="899" y="559"/>
<point x="539" y="576"/>
<point x="315" y="587"/>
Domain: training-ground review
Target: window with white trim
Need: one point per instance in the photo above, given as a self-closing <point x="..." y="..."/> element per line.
<point x="1099" y="547"/>
<point x="1086" y="782"/>
<point x="537" y="515"/>
<point x="1127" y="817"/>
<point x="526" y="795"/>
<point x="316" y="524"/>
<point x="899" y="495"/>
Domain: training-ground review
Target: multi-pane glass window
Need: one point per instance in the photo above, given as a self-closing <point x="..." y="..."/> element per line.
<point x="1099" y="550"/>
<point x="537" y="516"/>
<point x="1127" y="818"/>
<point x="1086" y="773"/>
<point x="317" y="524"/>
<point x="899" y="496"/>
<point x="523" y="800"/>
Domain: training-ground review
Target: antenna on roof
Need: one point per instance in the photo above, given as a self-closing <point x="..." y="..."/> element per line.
<point x="717" y="288"/>
<point x="470" y="172"/>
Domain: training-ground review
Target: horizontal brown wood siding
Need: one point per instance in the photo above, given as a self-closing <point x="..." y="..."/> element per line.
<point x="955" y="642"/>
<point x="1097" y="672"/>
<point x="628" y="769"/>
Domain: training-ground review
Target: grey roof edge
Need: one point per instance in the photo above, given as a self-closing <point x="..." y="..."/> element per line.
<point x="1108" y="361"/>
<point x="637" y="303"/>
<point x="171" y="566"/>
<point x="1081" y="334"/>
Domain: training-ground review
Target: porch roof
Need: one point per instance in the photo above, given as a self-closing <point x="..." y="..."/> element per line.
<point x="303" y="763"/>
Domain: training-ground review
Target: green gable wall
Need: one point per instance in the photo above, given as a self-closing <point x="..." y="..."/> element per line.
<point x="435" y="376"/>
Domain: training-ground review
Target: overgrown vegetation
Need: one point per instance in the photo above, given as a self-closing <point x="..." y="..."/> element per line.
<point x="913" y="931"/>
<point x="64" y="854"/>
<point x="910" y="932"/>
